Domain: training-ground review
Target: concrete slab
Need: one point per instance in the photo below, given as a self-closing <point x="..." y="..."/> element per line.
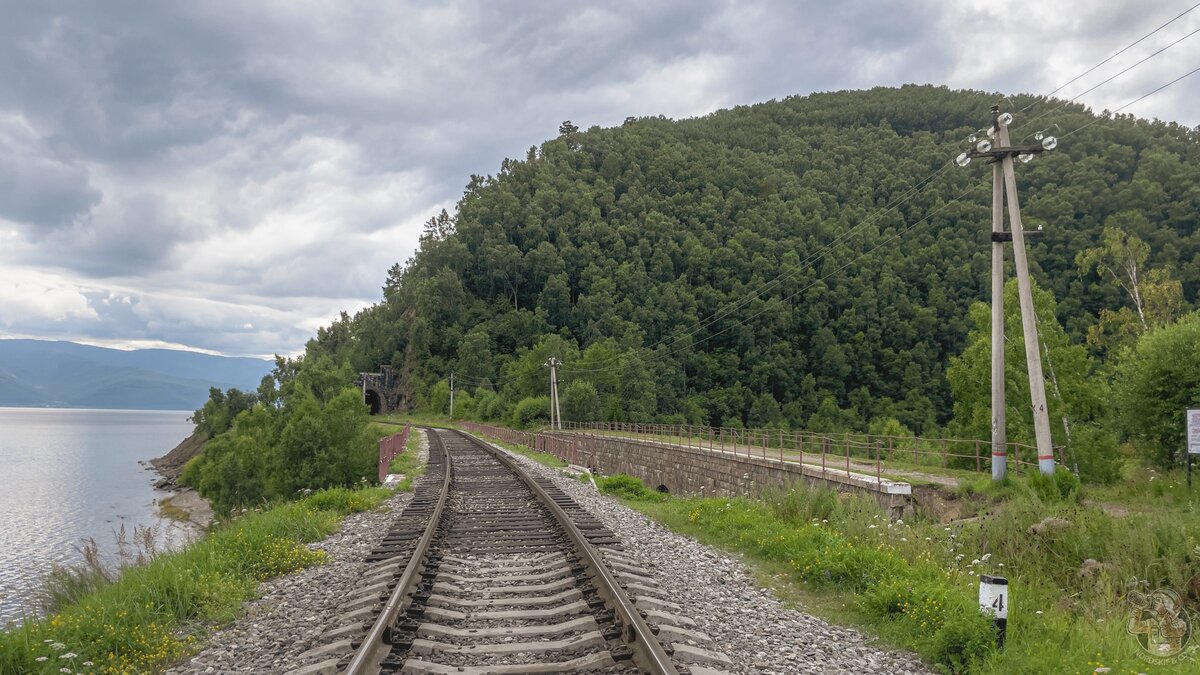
<point x="585" y="641"/>
<point x="583" y="664"/>
<point x="433" y="630"/>
<point x="329" y="667"/>
<point x="690" y="654"/>
<point x="446" y="601"/>
<point x="339" y="647"/>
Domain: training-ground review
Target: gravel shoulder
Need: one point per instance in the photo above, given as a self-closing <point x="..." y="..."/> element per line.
<point x="748" y="623"/>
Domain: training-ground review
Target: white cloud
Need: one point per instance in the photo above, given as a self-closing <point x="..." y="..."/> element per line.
<point x="32" y="298"/>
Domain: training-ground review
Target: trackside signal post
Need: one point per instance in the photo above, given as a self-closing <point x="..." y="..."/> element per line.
<point x="1000" y="155"/>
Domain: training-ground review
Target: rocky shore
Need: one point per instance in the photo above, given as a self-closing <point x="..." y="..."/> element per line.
<point x="183" y="505"/>
<point x="170" y="465"/>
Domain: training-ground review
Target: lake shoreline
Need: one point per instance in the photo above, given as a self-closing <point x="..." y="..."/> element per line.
<point x="183" y="503"/>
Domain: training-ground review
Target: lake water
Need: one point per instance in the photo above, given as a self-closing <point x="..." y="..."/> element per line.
<point x="66" y="475"/>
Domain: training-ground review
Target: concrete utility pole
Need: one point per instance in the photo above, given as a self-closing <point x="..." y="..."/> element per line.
<point x="553" y="363"/>
<point x="451" y="395"/>
<point x="1004" y="183"/>
<point x="999" y="425"/>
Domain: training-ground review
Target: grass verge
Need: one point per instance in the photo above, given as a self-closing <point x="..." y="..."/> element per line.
<point x="155" y="614"/>
<point x="409" y="462"/>
<point x="915" y="584"/>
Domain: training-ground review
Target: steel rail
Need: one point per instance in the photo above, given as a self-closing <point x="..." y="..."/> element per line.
<point x="635" y="631"/>
<point x="374" y="648"/>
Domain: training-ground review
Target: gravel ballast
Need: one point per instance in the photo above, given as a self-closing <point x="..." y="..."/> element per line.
<point x="295" y="610"/>
<point x="746" y="622"/>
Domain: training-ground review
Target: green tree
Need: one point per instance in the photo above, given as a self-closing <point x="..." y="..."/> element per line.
<point x="1156" y="382"/>
<point x="219" y="411"/>
<point x="531" y="411"/>
<point x="765" y="412"/>
<point x="580" y="402"/>
<point x="1075" y="389"/>
<point x="325" y="445"/>
<point x="1155" y="298"/>
<point x="439" y="398"/>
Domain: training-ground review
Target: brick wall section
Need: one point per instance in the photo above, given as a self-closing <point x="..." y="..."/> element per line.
<point x="689" y="471"/>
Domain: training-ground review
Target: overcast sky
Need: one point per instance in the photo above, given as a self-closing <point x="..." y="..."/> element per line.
<point x="227" y="176"/>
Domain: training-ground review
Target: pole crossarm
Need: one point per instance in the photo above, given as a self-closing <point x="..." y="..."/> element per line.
<point x="1004" y="193"/>
<point x="998" y="153"/>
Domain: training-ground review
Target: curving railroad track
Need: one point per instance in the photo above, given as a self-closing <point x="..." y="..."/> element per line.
<point x="491" y="571"/>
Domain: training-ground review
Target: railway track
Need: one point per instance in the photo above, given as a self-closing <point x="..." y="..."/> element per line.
<point x="491" y="571"/>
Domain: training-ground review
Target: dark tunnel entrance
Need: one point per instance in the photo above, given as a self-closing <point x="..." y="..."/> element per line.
<point x="371" y="398"/>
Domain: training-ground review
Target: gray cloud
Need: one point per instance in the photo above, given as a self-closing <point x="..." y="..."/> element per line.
<point x="180" y="171"/>
<point x="38" y="189"/>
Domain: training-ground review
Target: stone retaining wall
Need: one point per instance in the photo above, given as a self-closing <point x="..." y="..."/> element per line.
<point x="688" y="471"/>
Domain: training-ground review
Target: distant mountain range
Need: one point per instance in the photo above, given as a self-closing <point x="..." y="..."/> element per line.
<point x="42" y="373"/>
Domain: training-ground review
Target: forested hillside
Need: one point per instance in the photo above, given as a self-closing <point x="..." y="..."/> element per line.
<point x="744" y="267"/>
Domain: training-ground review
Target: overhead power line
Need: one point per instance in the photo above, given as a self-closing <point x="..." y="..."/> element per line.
<point x="1143" y="96"/>
<point x="1113" y="56"/>
<point x="1110" y="79"/>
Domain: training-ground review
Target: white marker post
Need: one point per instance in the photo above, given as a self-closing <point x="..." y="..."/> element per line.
<point x="993" y="599"/>
<point x="1193" y="440"/>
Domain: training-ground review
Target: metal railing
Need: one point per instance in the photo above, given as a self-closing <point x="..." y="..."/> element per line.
<point x="389" y="447"/>
<point x="576" y="448"/>
<point x="867" y="451"/>
<point x="503" y="433"/>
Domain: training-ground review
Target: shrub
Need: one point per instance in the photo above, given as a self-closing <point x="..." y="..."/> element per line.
<point x="628" y="487"/>
<point x="530" y="411"/>
<point x="964" y="641"/>
<point x="804" y="504"/>
<point x="496" y="408"/>
<point x="1061" y="486"/>
<point x="1096" y="453"/>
